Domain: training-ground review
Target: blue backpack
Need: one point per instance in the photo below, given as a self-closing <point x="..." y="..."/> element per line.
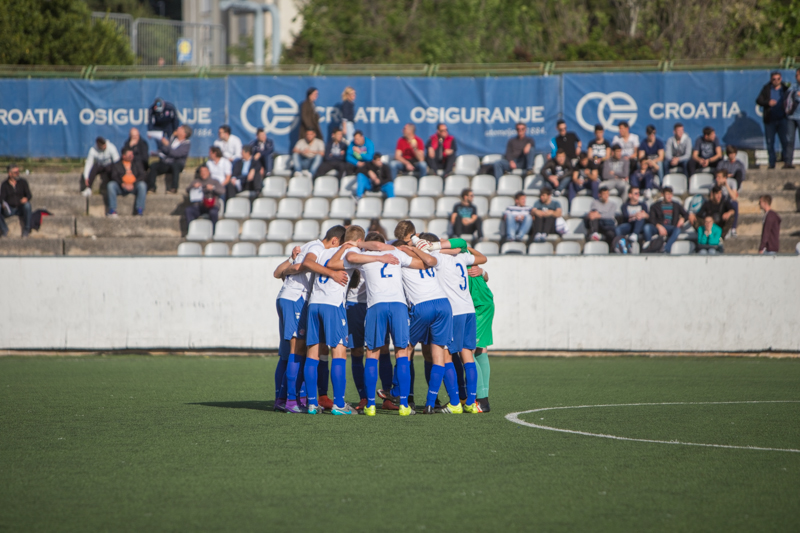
<point x="621" y="245"/>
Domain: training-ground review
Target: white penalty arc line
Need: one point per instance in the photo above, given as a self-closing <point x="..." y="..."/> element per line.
<point x="514" y="417"/>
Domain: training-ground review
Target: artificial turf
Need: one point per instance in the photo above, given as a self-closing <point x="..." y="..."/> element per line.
<point x="136" y="443"/>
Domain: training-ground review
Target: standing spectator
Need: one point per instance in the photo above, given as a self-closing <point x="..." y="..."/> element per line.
<point x="309" y="119"/>
<point x="599" y="147"/>
<point x="733" y="166"/>
<point x="247" y="174"/>
<point x="409" y="154"/>
<point x="221" y="170"/>
<point x="262" y="149"/>
<point x="519" y="153"/>
<point x="566" y="141"/>
<point x="349" y="113"/>
<point x="678" y="151"/>
<point x="464" y="218"/>
<point x="101" y="158"/>
<point x="707" y="152"/>
<point x="374" y="176"/>
<point x="584" y="176"/>
<point x="793" y="120"/>
<point x="709" y="238"/>
<point x="634" y="216"/>
<point x="163" y="118"/>
<point x="335" y="152"/>
<point x="307" y="153"/>
<point x="127" y="176"/>
<point x="629" y="142"/>
<point x="204" y="194"/>
<point x="718" y="208"/>
<point x="230" y="144"/>
<point x="771" y="231"/>
<point x="651" y="153"/>
<point x="140" y="147"/>
<point x="441" y="151"/>
<point x="772" y="100"/>
<point x="172" y="155"/>
<point x="557" y="172"/>
<point x="15" y="199"/>
<point x="666" y="217"/>
<point x="616" y="171"/>
<point x="545" y="212"/>
<point x="729" y="194"/>
<point x="360" y="151"/>
<point x="601" y="219"/>
<point x="517" y="218"/>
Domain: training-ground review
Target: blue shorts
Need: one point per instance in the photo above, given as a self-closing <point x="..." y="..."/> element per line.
<point x="356" y="317"/>
<point x="464" y="333"/>
<point x="326" y="323"/>
<point x="431" y="323"/>
<point x="383" y="318"/>
<point x="292" y="318"/>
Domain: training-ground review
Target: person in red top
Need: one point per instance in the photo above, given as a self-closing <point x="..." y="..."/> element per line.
<point x="771" y="232"/>
<point x="409" y="155"/>
<point x="441" y="151"/>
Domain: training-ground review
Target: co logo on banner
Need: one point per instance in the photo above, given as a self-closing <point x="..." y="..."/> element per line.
<point x="278" y="114"/>
<point x="619" y="106"/>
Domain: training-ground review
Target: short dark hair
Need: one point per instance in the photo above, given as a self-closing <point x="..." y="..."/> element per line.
<point x="560" y="122"/>
<point x="336" y="231"/>
<point x="667" y="189"/>
<point x="100" y="140"/>
<point x="721" y="171"/>
<point x="519" y="194"/>
<point x="767" y="199"/>
<point x="599" y="127"/>
<point x="616" y="147"/>
<point x="11" y="166"/>
<point x="633" y="187"/>
<point x="374" y="236"/>
<point x="731" y="149"/>
<point x="650" y="129"/>
<point x="376" y="155"/>
<point x="126" y="149"/>
<point x="465" y="192"/>
<point x="546" y="190"/>
<point x="259" y="130"/>
<point x="518" y="124"/>
<point x="708" y="130"/>
<point x="774" y="72"/>
<point x="625" y="123"/>
<point x="358" y="132"/>
<point x="583" y="155"/>
<point x="225" y="128"/>
<point x="561" y="151"/>
<point x="216" y="151"/>
<point x="430" y="237"/>
<point x="677" y="125"/>
<point x="715" y="189"/>
<point x="247" y="149"/>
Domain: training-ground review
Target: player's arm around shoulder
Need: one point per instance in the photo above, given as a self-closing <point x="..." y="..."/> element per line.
<point x="479" y="258"/>
<point x="419" y="260"/>
<point x="282" y="270"/>
<point x="310" y="264"/>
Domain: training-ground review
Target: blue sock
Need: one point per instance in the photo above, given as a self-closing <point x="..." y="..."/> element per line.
<point x="371" y="380"/>
<point x="357" y="365"/>
<point x="322" y="378"/>
<point x="301" y="377"/>
<point x="310" y="372"/>
<point x="395" y="391"/>
<point x="451" y="383"/>
<point x="339" y="378"/>
<point x="428" y="367"/>
<point x="292" y="368"/>
<point x="471" y="372"/>
<point x="413" y="377"/>
<point x="434" y="384"/>
<point x="280" y="373"/>
<point x="459" y="366"/>
<point x="386" y="371"/>
<point x="404" y="379"/>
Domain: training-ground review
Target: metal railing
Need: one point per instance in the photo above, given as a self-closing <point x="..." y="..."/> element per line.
<point x="155" y="42"/>
<point x="123" y="22"/>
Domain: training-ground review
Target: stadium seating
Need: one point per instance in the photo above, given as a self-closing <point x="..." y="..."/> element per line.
<point x="299" y="187"/>
<point x="287" y="250"/>
<point x="347" y="185"/>
<point x="509" y="185"/>
<point x="576" y="230"/>
<point x="316" y="208"/>
<point x="481" y="203"/>
<point x="512" y="248"/>
<point x="438" y="227"/>
<point x="305" y="230"/>
<point x="682" y="248"/>
<point x="281" y="164"/>
<point x="422" y="207"/>
<point x="488" y="159"/>
<point x="488" y="248"/>
<point x="395" y="208"/>
<point x="617" y="201"/>
<point x="243" y="249"/>
<point x="274" y="187"/>
<point x="264" y="208"/>
<point x="405" y="186"/>
<point x="430" y="186"/>
<point x="326" y="187"/>
<point x="325" y="225"/>
<point x="499" y="204"/>
<point x="226" y="230"/>
<point x="677" y="182"/>
<point x="280" y="230"/>
<point x="533" y="185"/>
<point x="467" y="165"/>
<point x="453" y="185"/>
<point x="369" y="208"/>
<point x="190" y="249"/>
<point x="270" y="248"/>
<point x="580" y="206"/>
<point x="568" y="248"/>
<point x="291" y="208"/>
<point x="389" y="224"/>
<point x="595" y="248"/>
<point x="216" y="249"/>
<point x="444" y="206"/>
<point x="538" y="163"/>
<point x="540" y="248"/>
<point x="253" y="230"/>
<point x="491" y="229"/>
<point x="484" y="185"/>
<point x="342" y="208"/>
<point x="200" y="230"/>
<point x="563" y="201"/>
<point x="237" y="208"/>
<point x="701" y="183"/>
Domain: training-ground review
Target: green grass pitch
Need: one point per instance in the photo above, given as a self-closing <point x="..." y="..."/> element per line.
<point x="133" y="443"/>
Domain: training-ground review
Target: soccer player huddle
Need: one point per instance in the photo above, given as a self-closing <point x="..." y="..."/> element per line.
<point x="355" y="291"/>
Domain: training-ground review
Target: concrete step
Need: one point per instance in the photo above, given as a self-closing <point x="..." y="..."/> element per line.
<point x="156" y="204"/>
<point x="52" y="227"/>
<point x="127" y="246"/>
<point x="782" y="202"/>
<point x="31" y="246"/>
<point x="60" y="205"/>
<point x="748" y="244"/>
<point x="125" y="227"/>
<point x="766" y="182"/>
<point x="752" y="224"/>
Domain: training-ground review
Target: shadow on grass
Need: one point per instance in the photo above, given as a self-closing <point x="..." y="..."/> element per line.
<point x="255" y="405"/>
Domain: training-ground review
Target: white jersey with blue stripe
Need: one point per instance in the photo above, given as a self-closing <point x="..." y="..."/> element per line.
<point x="327" y="291"/>
<point x="421" y="285"/>
<point x="384" y="281"/>
<point x="453" y="278"/>
<point x="299" y="285"/>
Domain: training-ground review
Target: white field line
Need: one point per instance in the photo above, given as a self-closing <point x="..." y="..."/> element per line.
<point x="514" y="417"/>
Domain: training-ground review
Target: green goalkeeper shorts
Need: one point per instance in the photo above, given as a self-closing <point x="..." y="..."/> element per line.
<point x="484" y="316"/>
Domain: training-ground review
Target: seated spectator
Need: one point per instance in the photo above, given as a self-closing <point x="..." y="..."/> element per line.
<point x="706" y="153"/>
<point x="601" y="219"/>
<point x="634" y="216"/>
<point x="335" y="153"/>
<point x="629" y="142"/>
<point x="557" y="172"/>
<point x="616" y="171"/>
<point x="678" y="150"/>
<point x="718" y="208"/>
<point x="519" y="153"/>
<point x="15" y="200"/>
<point x="221" y="170"/>
<point x="545" y="212"/>
<point x="247" y="174"/>
<point x="409" y="154"/>
<point x="728" y="193"/>
<point x="709" y="238"/>
<point x="651" y="154"/>
<point x="172" y="155"/>
<point x="140" y="147"/>
<point x="127" y="176"/>
<point x="101" y="158"/>
<point x="771" y="230"/>
<point x="666" y="218"/>
<point x="307" y="153"/>
<point x="374" y="176"/>
<point x="517" y="218"/>
<point x="464" y="219"/>
<point x="359" y="152"/>
<point x="733" y="166"/>
<point x="441" y="151"/>
<point x="566" y="141"/>
<point x="230" y="144"/>
<point x="262" y="149"/>
<point x="584" y="176"/>
<point x="599" y="148"/>
<point x="205" y="194"/>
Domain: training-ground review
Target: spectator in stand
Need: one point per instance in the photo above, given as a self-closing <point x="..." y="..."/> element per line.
<point x="601" y="220"/>
<point x="772" y="100"/>
<point x="771" y="231"/>
<point x="309" y="118"/>
<point x="519" y="153"/>
<point x="376" y="177"/>
<point x="634" y="215"/>
<point x="204" y="196"/>
<point x="733" y="166"/>
<point x="718" y="208"/>
<point x="557" y="172"/>
<point x="729" y="194"/>
<point x="651" y="153"/>
<point x="335" y="153"/>
<point x="707" y="152"/>
<point x="349" y="114"/>
<point x="15" y="199"/>
<point x="518" y="218"/>
<point x="101" y="158"/>
<point x="599" y="147"/>
<point x="566" y="141"/>
<point x="409" y="154"/>
<point x="709" y="238"/>
<point x="307" y="153"/>
<point x="441" y="151"/>
<point x="359" y="152"/>
<point x="221" y="171"/>
<point x="140" y="147"/>
<point x="247" y="174"/>
<point x="127" y="176"/>
<point x="629" y="142"/>
<point x="262" y="149"/>
<point x="616" y="171"/>
<point x="678" y="151"/>
<point x="172" y="155"/>
<point x="793" y="120"/>
<point x="545" y="212"/>
<point x="666" y="218"/>
<point x="584" y="176"/>
<point x="230" y="144"/>
<point x="163" y="118"/>
<point x="464" y="218"/>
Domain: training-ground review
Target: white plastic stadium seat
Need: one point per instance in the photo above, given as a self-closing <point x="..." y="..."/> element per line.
<point x="491" y="229"/>
<point x="237" y="208"/>
<point x="580" y="206"/>
<point x="291" y="208"/>
<point x="274" y="187"/>
<point x="253" y="230"/>
<point x="216" y="249"/>
<point x="287" y="250"/>
<point x="499" y="204"/>
<point x="369" y="208"/>
<point x="422" y="207"/>
<point x="701" y="183"/>
<point x="453" y="185"/>
<point x="326" y="225"/>
<point x="363" y="222"/>
<point x="305" y="230"/>
<point x="200" y="230"/>
<point x="280" y="230"/>
<point x="438" y="227"/>
<point x="488" y="159"/>
<point x="742" y="156"/>
<point x="270" y="248"/>
<point x="484" y="185"/>
<point x="190" y="249"/>
<point x="419" y="224"/>
<point x="513" y="248"/>
<point x="538" y="163"/>
<point x="540" y="248"/>
<point x="681" y="248"/>
<point x="281" y="164"/>
<point x="347" y="185"/>
<point x="385" y="159"/>
<point x="445" y="206"/>
<point x="509" y="185"/>
<point x="389" y="224"/>
<point x="617" y="201"/>
<point x="326" y="187"/>
<point x="733" y="184"/>
<point x="342" y="208"/>
<point x="677" y="182"/>
<point x="488" y="248"/>
<point x="405" y="186"/>
<point x="430" y="186"/>
<point x="563" y="201"/>
<point x="568" y="248"/>
<point x="264" y="208"/>
<point x="481" y="203"/>
<point x="595" y="248"/>
<point x="395" y="207"/>
<point x="576" y="230"/>
<point x="533" y="185"/>
<point x="244" y="249"/>
<point x="226" y="230"/>
<point x="467" y="165"/>
<point x="316" y="208"/>
<point x="300" y="187"/>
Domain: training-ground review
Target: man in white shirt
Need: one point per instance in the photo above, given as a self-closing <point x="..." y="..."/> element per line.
<point x="101" y="158"/>
<point x="230" y="144"/>
<point x="221" y="170"/>
<point x="678" y="150"/>
<point x="629" y="142"/>
<point x="307" y="154"/>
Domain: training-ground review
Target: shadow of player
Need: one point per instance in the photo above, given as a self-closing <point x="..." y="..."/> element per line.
<point x="254" y="404"/>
